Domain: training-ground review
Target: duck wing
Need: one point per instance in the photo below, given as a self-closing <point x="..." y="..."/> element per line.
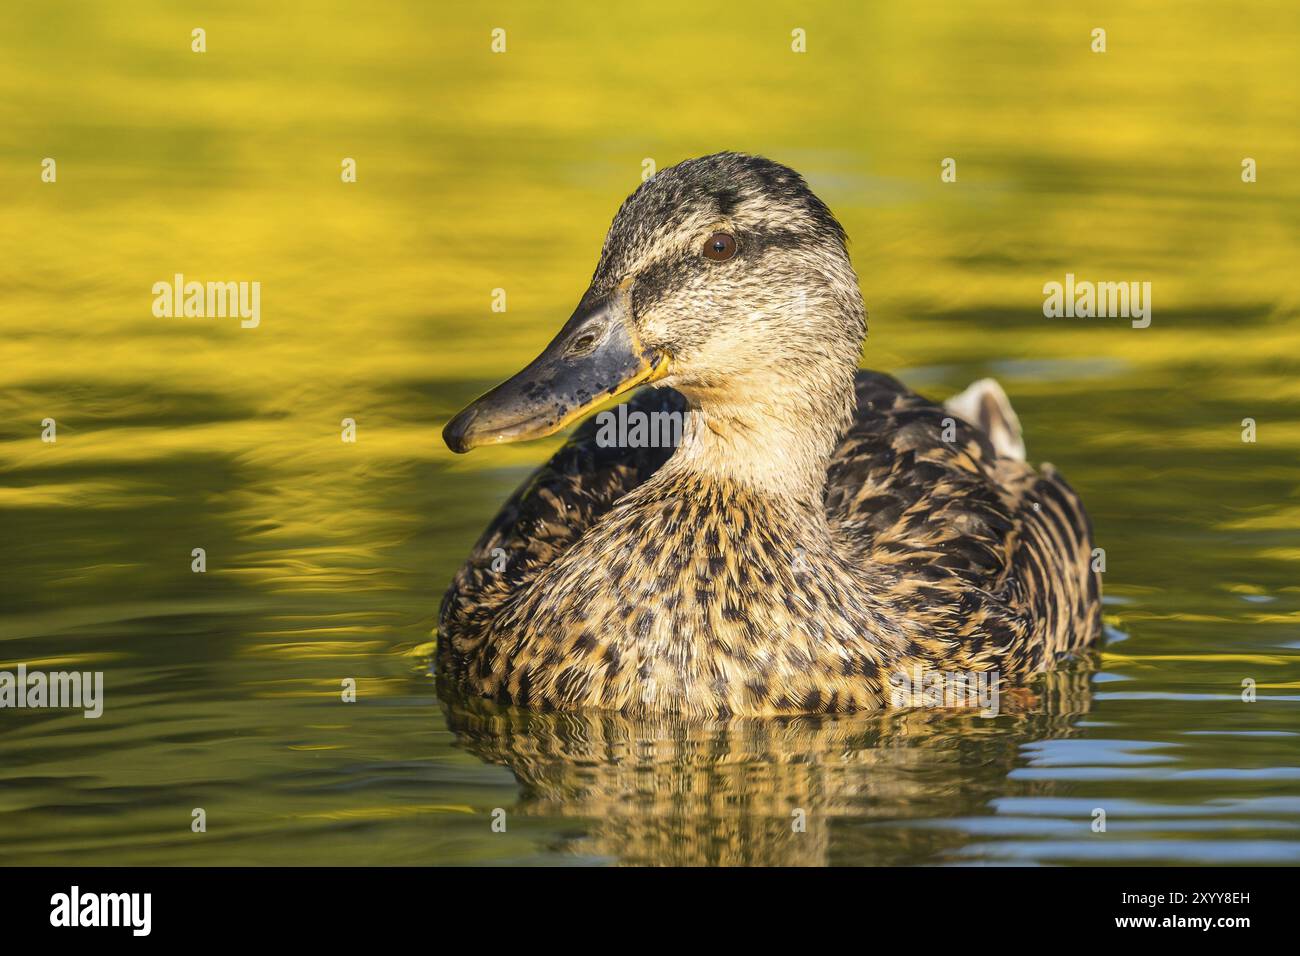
<point x="923" y="498"/>
<point x="549" y="512"/>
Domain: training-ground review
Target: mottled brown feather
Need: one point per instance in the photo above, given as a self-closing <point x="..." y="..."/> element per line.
<point x="704" y="598"/>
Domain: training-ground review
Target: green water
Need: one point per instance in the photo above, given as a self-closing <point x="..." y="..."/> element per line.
<point x="477" y="171"/>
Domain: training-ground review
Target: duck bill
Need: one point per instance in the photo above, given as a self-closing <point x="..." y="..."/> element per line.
<point x="596" y="356"/>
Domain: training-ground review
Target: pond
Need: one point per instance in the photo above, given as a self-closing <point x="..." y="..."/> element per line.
<point x="200" y="533"/>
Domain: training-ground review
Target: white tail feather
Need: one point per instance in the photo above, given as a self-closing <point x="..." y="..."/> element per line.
<point x="985" y="405"/>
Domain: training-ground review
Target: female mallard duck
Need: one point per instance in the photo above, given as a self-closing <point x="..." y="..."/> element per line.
<point x="817" y="531"/>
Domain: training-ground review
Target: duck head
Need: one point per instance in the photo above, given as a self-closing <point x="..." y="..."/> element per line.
<point x="723" y="277"/>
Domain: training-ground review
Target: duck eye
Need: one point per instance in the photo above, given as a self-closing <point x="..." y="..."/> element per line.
<point x="720" y="247"/>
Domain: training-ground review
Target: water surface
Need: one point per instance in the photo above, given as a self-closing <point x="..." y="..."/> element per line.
<point x="326" y="560"/>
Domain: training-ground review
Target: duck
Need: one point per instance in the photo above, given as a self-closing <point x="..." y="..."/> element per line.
<point x="818" y="535"/>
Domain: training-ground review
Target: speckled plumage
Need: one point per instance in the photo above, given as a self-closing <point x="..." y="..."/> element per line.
<point x="818" y="529"/>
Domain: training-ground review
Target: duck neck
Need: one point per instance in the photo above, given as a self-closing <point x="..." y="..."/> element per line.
<point x="777" y="443"/>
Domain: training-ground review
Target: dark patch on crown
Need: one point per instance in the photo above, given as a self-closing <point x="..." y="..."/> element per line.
<point x="721" y="184"/>
<point x="726" y="199"/>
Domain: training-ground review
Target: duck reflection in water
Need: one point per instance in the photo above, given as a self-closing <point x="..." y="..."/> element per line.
<point x="798" y="790"/>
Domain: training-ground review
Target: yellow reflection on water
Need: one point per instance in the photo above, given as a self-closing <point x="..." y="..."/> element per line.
<point x="479" y="171"/>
